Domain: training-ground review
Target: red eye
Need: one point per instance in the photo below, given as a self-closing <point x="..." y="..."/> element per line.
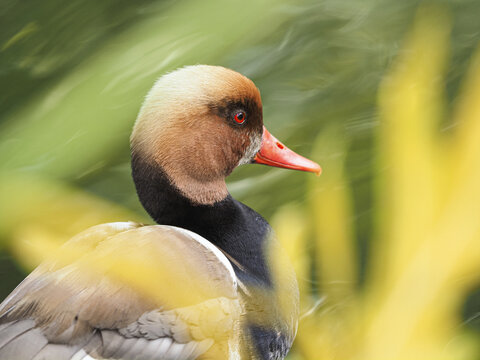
<point x="240" y="117"/>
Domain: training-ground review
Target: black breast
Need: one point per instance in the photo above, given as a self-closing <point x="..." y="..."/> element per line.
<point x="232" y="226"/>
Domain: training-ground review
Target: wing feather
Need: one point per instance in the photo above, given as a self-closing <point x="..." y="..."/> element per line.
<point x="124" y="291"/>
<point x="13" y="330"/>
<point x="56" y="351"/>
<point x="28" y="343"/>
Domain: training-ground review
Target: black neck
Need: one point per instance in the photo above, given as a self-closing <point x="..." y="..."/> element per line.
<point x="232" y="226"/>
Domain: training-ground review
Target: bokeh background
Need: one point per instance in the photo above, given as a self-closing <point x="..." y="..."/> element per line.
<point x="385" y="95"/>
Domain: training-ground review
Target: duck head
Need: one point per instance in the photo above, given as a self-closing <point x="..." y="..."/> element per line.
<point x="200" y="122"/>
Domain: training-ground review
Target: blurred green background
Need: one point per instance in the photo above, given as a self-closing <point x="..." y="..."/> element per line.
<point x="385" y="95"/>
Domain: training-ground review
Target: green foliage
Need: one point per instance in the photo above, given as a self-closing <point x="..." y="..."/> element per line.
<point x="385" y="242"/>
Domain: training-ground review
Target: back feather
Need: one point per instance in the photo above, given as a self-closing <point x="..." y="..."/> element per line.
<point x="110" y="293"/>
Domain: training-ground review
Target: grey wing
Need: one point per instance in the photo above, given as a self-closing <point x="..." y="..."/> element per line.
<point x="22" y="340"/>
<point x="155" y="335"/>
<point x="179" y="334"/>
<point x="60" y="313"/>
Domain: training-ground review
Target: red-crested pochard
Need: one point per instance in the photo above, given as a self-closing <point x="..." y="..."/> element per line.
<point x="201" y="284"/>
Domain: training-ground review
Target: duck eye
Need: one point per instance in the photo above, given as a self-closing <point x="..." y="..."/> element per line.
<point x="240" y="117"/>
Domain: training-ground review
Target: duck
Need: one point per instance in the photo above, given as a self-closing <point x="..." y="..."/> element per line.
<point x="206" y="281"/>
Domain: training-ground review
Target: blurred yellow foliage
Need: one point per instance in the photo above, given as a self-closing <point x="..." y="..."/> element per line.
<point x="426" y="254"/>
<point x="42" y="214"/>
